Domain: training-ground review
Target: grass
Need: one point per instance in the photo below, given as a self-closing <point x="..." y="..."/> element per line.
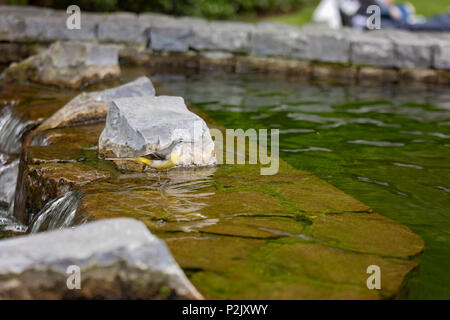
<point x="427" y="8"/>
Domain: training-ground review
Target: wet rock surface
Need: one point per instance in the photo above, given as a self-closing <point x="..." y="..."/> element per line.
<point x="138" y="126"/>
<point x="289" y="224"/>
<point x="117" y="259"/>
<point x="93" y="106"/>
<point x="67" y="64"/>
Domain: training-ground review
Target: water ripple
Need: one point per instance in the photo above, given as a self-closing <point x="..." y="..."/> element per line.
<point x="377" y="143"/>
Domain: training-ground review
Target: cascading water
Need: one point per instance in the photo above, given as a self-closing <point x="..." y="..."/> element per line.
<point x="12" y="129"/>
<point x="59" y="213"/>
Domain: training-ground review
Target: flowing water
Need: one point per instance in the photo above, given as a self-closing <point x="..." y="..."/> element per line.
<point x="57" y="214"/>
<point x="387" y="146"/>
<point x="21" y="108"/>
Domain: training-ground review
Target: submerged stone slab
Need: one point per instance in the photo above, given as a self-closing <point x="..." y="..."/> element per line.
<point x="277" y="241"/>
<point x="90" y="107"/>
<point x="138" y="126"/>
<point x="68" y="64"/>
<point x="272" y="39"/>
<point x="117" y="258"/>
<point x="222" y="36"/>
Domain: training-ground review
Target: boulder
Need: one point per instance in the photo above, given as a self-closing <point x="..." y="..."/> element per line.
<point x="68" y="64"/>
<point x="117" y="259"/>
<point x="90" y="107"/>
<point x="140" y="125"/>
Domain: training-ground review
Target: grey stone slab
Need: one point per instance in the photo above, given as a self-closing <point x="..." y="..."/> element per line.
<point x="12" y="28"/>
<point x="272" y="39"/>
<point x="442" y="56"/>
<point x="412" y="49"/>
<point x="123" y="27"/>
<point x="372" y="49"/>
<point x="413" y="53"/>
<point x="172" y="34"/>
<point x="327" y="45"/>
<point x="117" y="258"/>
<point x="54" y="28"/>
<point x="441" y="49"/>
<point x="25" y="10"/>
<point x="224" y="36"/>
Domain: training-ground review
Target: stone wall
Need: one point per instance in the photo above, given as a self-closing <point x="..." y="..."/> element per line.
<point x="384" y="54"/>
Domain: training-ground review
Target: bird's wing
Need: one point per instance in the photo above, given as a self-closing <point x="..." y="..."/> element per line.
<point x="155" y="156"/>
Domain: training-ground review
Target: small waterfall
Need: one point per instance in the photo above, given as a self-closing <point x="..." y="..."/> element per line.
<point x="11" y="130"/>
<point x="59" y="213"/>
<point x="8" y="179"/>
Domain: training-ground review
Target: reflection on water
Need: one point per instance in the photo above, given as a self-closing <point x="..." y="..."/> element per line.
<point x="174" y="196"/>
<point x="387" y="146"/>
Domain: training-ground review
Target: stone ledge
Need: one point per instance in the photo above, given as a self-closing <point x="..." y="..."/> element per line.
<point x="158" y="32"/>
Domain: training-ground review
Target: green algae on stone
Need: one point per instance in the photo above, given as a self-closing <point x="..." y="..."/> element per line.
<point x="242" y="268"/>
<point x="363" y="232"/>
<point x="236" y="233"/>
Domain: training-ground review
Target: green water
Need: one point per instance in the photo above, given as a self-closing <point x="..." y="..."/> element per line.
<point x="387" y="146"/>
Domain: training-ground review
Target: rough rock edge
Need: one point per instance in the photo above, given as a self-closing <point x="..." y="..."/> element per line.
<point x="112" y="271"/>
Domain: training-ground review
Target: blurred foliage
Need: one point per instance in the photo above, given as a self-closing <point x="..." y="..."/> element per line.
<point x="213" y="9"/>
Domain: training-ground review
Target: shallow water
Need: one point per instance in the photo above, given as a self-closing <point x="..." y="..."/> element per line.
<point x="387" y="146"/>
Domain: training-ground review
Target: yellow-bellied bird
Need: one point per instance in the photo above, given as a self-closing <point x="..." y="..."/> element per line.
<point x="161" y="159"/>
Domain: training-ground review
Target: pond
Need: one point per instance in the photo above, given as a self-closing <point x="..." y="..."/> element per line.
<point x="387" y="146"/>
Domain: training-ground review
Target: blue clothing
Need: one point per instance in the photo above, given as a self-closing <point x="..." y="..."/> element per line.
<point x="439" y="23"/>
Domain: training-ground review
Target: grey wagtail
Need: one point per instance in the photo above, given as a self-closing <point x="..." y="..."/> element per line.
<point x="163" y="159"/>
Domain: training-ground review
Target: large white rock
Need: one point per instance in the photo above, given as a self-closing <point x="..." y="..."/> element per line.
<point x="118" y="258"/>
<point x="138" y="126"/>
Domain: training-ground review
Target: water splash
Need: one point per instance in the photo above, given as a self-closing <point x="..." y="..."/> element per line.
<point x="11" y="130"/>
<point x="58" y="214"/>
<point x="8" y="180"/>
